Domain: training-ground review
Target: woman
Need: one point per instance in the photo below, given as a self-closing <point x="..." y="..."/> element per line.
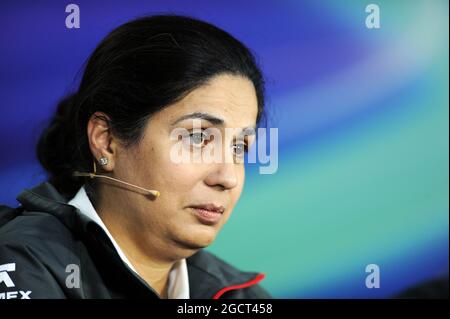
<point x="120" y="217"/>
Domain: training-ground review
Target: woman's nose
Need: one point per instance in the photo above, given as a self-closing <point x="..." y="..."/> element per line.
<point x="224" y="175"/>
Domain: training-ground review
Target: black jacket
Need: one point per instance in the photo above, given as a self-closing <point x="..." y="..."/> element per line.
<point x="42" y="240"/>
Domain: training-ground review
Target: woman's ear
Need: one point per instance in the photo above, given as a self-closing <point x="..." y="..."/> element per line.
<point x="101" y="141"/>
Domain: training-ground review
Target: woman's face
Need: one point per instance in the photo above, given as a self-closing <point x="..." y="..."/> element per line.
<point x="169" y="221"/>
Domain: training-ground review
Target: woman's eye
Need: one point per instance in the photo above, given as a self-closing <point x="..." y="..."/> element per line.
<point x="197" y="138"/>
<point x="240" y="149"/>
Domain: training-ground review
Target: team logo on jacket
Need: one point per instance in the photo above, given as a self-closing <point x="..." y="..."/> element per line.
<point x="4" y="277"/>
<point x="6" y="280"/>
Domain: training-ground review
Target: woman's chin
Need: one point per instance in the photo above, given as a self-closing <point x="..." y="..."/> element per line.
<point x="197" y="236"/>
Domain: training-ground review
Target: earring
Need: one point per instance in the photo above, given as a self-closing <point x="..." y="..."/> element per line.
<point x="103" y="160"/>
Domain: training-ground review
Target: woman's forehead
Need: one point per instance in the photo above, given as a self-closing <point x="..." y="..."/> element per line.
<point x="228" y="100"/>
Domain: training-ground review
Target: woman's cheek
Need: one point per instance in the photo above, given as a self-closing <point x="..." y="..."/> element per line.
<point x="180" y="175"/>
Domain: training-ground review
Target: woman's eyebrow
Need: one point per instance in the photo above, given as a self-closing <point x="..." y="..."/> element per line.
<point x="200" y="115"/>
<point x="250" y="130"/>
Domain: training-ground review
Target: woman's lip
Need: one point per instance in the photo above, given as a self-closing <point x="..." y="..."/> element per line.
<point x="207" y="216"/>
<point x="210" y="207"/>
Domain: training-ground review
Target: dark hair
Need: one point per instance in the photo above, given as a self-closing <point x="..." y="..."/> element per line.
<point x="138" y="69"/>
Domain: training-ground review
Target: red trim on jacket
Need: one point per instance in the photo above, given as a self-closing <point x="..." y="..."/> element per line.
<point x="252" y="282"/>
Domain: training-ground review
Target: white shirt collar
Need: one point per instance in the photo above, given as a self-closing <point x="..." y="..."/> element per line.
<point x="178" y="286"/>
